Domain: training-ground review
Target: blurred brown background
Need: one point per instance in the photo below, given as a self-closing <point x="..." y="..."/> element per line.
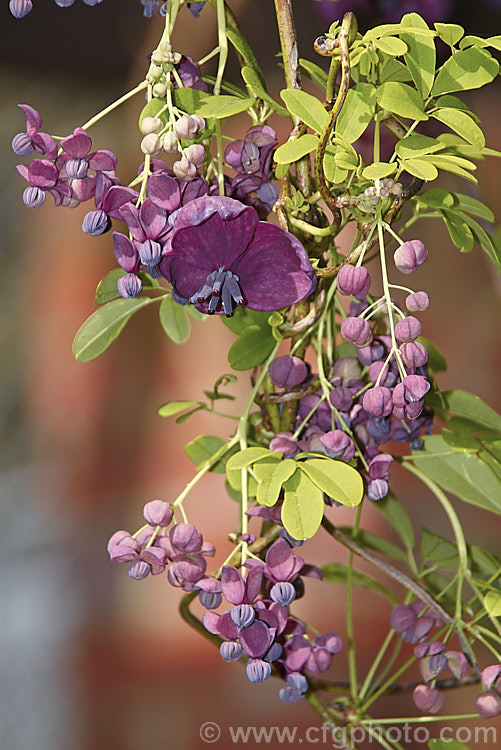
<point x="89" y="659"/>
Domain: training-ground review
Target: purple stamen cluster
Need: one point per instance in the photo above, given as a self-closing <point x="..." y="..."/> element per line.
<point x="259" y="625"/>
<point x="181" y="549"/>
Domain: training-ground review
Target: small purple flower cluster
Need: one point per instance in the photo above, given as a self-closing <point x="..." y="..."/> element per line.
<point x="153" y="548"/>
<point x="413" y="624"/>
<point x="21" y="8"/>
<point x="260" y="627"/>
<point x="488" y="702"/>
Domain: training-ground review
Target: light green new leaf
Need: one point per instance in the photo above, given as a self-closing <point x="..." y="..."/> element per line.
<point x="104" y="325"/>
<point x="188" y="99"/>
<point x="449" y="33"/>
<point x="462" y="124"/>
<point x="459" y="442"/>
<point x="415" y="145"/>
<point x="270" y="485"/>
<point x="306" y="107"/>
<point x="242" y="46"/>
<point x="251" y="348"/>
<point x="421" y="55"/>
<point x="477" y="41"/>
<point x="451" y="163"/>
<point x="378" y="170"/>
<point x="223" y="106"/>
<point x="249" y="456"/>
<point x="394" y="70"/>
<point x="492" y="601"/>
<point x="338" y="480"/>
<point x="174" y="320"/>
<point x="293" y="150"/>
<point x="303" y="506"/>
<point x="469" y="69"/>
<point x="463" y="474"/>
<point x="423" y="170"/>
<point x="337" y="573"/>
<point x="203" y="447"/>
<point x="391" y="45"/>
<point x="357" y="112"/>
<point x="176" y="407"/>
<point x="436" y="198"/>
<point x="401" y="99"/>
<point x="314" y="72"/>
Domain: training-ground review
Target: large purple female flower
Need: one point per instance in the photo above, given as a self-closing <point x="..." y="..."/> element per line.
<point x="222" y="256"/>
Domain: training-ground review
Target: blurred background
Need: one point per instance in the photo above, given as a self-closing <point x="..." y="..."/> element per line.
<point x="90" y="660"/>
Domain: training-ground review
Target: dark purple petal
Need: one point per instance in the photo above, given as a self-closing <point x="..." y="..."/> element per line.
<point x="253" y="583"/>
<point x="102" y="161"/>
<point x="116" y="197"/>
<point x="164" y="192"/>
<point x="280" y="560"/>
<point x="257" y="639"/>
<point x="297" y="651"/>
<point x="153" y="219"/>
<point x="125" y="253"/>
<point x="42" y="174"/>
<point x="78" y="144"/>
<point x="275" y="271"/>
<point x="233" y="585"/>
<point x="32" y="119"/>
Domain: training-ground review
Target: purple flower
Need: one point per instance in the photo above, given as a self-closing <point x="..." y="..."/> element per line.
<point x="417" y="301"/>
<point x="354" y="281"/>
<point x="222" y="256"/>
<point x="44" y="175"/>
<point x="287" y="371"/>
<point x="33" y="140"/>
<point x="356" y="331"/>
<point x="409" y="256"/>
<point x="20" y="8"/>
<point x="427" y="699"/>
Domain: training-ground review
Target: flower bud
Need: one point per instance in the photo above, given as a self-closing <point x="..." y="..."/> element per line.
<point x="96" y="223"/>
<point x="353" y="280"/>
<point x="288" y="371"/>
<point x="402" y="618"/>
<point x="409" y="256"/>
<point x="414" y="355"/>
<point x="283" y="593"/>
<point x="170" y="143"/>
<point x="195" y="154"/>
<point x="157" y="513"/>
<point x="257" y="670"/>
<point x="151" y="125"/>
<point x="22" y="145"/>
<point x="129" y="285"/>
<point x="139" y="570"/>
<point x="341" y="398"/>
<point x="337" y="444"/>
<point x="151" y="144"/>
<point x="184" y="170"/>
<point x="356" y="331"/>
<point x="186" y="127"/>
<point x="408" y="329"/>
<point x="428" y="700"/>
<point x="417" y="301"/>
<point x="488" y="704"/>
<point x="230" y="651"/>
<point x="283" y="442"/>
<point x="491" y="674"/>
<point x="377" y="489"/>
<point x="156" y="559"/>
<point x="347" y="368"/>
<point x="416" y="387"/>
<point x="159" y="90"/>
<point x="186" y="537"/>
<point x="20" y="8"/>
<point x="377" y="401"/>
<point x="199" y="121"/>
<point x="33" y="197"/>
<point x="458" y="664"/>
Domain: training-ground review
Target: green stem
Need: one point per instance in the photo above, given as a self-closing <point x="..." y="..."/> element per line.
<point x="140" y="87"/>
<point x="350" y="631"/>
<point x="375" y="664"/>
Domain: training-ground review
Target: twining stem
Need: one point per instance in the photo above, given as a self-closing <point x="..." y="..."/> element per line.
<point x="345" y="35"/>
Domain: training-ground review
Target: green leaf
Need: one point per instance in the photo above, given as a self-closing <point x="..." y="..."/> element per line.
<point x="446" y="744"/>
<point x="303" y="506"/>
<point x="471" y="407"/>
<point x="189" y="100"/>
<point x="293" y="150"/>
<point x="314" y="72"/>
<point x="421" y="55"/>
<point x="243" y="48"/>
<point x="436" y="198"/>
<point x="269" y="486"/>
<point x="306" y="107"/>
<point x="249" y="456"/>
<point x="337" y="479"/>
<point x="468" y="69"/>
<point x="104" y="325"/>
<point x="253" y="80"/>
<point x="423" y="170"/>
<point x="415" y="145"/>
<point x="376" y="543"/>
<point x="244" y="317"/>
<point x="436" y="360"/>
<point x="401" y="99"/>
<point x="460" y="233"/>
<point x="462" y="124"/>
<point x="450" y="163"/>
<point x="463" y="474"/>
<point x="378" y="170"/>
<point x="459" y="442"/>
<point x="492" y="601"/>
<point x="251" y="348"/>
<point x="477" y="41"/>
<point x="391" y="45"/>
<point x="174" y="320"/>
<point x="395" y="513"/>
<point x="483" y="561"/>
<point x="337" y="573"/>
<point x="439" y="550"/>
<point x="223" y="106"/>
<point x="473" y="206"/>
<point x="175" y="407"/>
<point x="203" y="447"/>
<point x="357" y="112"/>
<point x="449" y="33"/>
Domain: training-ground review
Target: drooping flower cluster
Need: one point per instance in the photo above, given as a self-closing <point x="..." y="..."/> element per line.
<point x="413" y="624"/>
<point x="154" y="547"/>
<point x="21" y="8"/>
<point x="259" y="625"/>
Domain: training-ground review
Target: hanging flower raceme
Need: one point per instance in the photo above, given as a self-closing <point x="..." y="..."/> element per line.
<point x="223" y="256"/>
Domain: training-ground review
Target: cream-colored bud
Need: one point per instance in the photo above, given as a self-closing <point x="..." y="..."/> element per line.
<point x="159" y="90"/>
<point x="170" y="143"/>
<point x="151" y="125"/>
<point x="151" y="144"/>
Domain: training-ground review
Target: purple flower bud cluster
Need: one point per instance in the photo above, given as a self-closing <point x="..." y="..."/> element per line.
<point x="153" y="548"/>
<point x="413" y="625"/>
<point x="259" y="626"/>
<point x="251" y="158"/>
